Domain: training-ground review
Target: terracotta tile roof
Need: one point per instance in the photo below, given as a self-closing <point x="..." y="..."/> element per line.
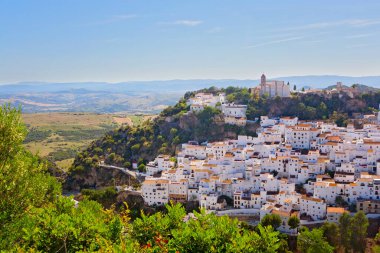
<point x="311" y="199"/>
<point x="336" y="210"/>
<point x="281" y="213"/>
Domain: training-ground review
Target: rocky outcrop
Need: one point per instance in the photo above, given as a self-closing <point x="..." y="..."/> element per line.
<point x="97" y="177"/>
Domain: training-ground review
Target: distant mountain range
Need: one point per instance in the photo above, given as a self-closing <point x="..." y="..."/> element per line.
<point x="138" y="96"/>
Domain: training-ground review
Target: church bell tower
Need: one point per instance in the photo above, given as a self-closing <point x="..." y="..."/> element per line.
<point x="263" y="80"/>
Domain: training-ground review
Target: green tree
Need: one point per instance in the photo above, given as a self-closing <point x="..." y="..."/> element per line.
<point x="273" y="220"/>
<point x="293" y="222"/>
<point x="345" y="231"/>
<point x="141" y="168"/>
<point x="310" y="113"/>
<point x="13" y="133"/>
<point x="24" y="182"/>
<point x="110" y="158"/>
<point x="376" y="248"/>
<point x="284" y="246"/>
<point x="331" y="233"/>
<point x="294" y="87"/>
<point x="176" y="140"/>
<point x="105" y="196"/>
<point x="127" y="165"/>
<point x="135" y="148"/>
<point x="339" y="118"/>
<point x="359" y="225"/>
<point x="209" y="233"/>
<point x="230" y="98"/>
<point x="173" y="131"/>
<point x="313" y="242"/>
<point x="322" y="110"/>
<point x="62" y="227"/>
<point x="201" y="232"/>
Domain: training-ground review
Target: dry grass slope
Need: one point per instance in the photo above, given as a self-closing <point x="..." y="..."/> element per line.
<point x="59" y="136"/>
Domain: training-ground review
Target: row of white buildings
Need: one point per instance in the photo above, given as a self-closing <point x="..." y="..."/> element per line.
<point x="233" y="114"/>
<point x="201" y="100"/>
<point x="263" y="172"/>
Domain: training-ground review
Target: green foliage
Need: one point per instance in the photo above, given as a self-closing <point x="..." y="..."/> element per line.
<point x="141" y="168"/>
<point x="13" y="133"/>
<point x="173" y="131"/>
<point x="322" y="110"/>
<point x="331" y="233"/>
<point x="339" y="118"/>
<point x="36" y="134"/>
<point x="60" y="227"/>
<point x="238" y="95"/>
<point x="83" y="134"/>
<point x="106" y="196"/>
<point x="24" y="181"/>
<point x="273" y="220"/>
<point x="206" y="115"/>
<point x="284" y="247"/>
<point x="293" y="222"/>
<point x="178" y="108"/>
<point x="203" y="233"/>
<point x="352" y="232"/>
<point x="127" y="165"/>
<point x="312" y="106"/>
<point x="135" y="147"/>
<point x="62" y="154"/>
<point x="313" y="242"/>
<point x="345" y="231"/>
<point x="359" y="225"/>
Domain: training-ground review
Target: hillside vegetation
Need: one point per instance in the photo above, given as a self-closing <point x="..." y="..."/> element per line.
<point x="141" y="144"/>
<point x="174" y="125"/>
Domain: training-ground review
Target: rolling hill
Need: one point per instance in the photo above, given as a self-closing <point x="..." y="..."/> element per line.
<point x="139" y="96"/>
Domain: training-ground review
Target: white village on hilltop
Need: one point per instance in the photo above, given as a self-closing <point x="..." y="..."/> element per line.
<point x="291" y="168"/>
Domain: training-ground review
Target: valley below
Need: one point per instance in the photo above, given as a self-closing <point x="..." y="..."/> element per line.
<point x="59" y="136"/>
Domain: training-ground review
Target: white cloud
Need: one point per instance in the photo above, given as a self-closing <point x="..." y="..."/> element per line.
<point x="123" y="17"/>
<point x="184" y="22"/>
<point x="357" y="36"/>
<point x="365" y="22"/>
<point x="276" y="42"/>
<point x="347" y="22"/>
<point x="313" y="41"/>
<point x="359" y="46"/>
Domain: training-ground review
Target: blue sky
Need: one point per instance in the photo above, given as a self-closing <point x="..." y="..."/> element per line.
<point x="124" y="40"/>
